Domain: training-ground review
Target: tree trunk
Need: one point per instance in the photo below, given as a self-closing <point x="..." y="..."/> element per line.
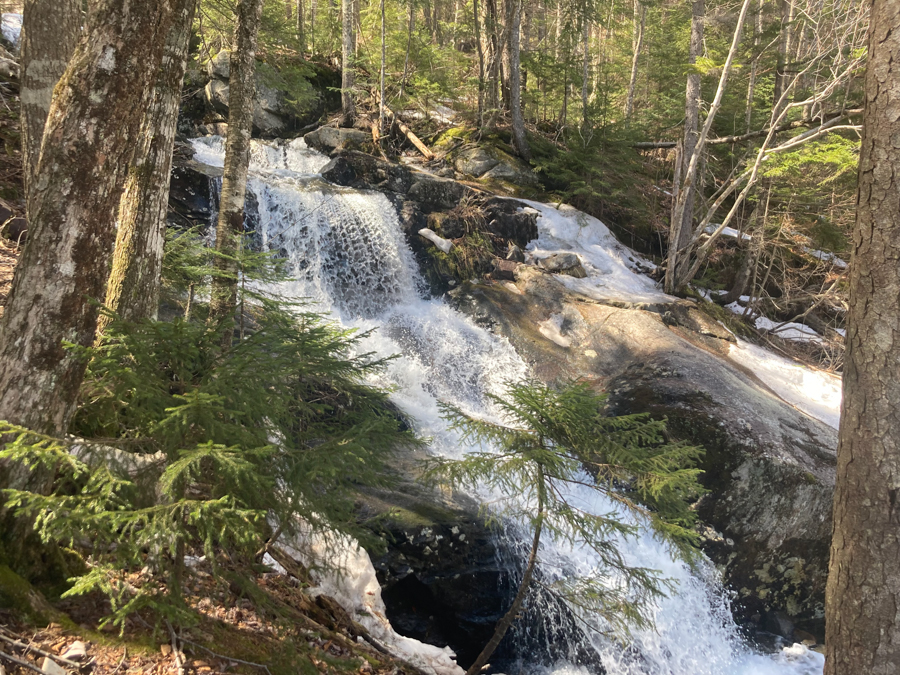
<point x="682" y="230"/>
<point x="754" y="66"/>
<point x="288" y="10"/>
<point x="510" y="616"/>
<point x="637" y="41"/>
<point x="493" y="101"/>
<point x="381" y="127"/>
<point x="585" y="79"/>
<point x="301" y="35"/>
<point x="133" y="288"/>
<point x="230" y="227"/>
<point x="348" y="108"/>
<point x="480" y="49"/>
<point x="409" y="35"/>
<point x="784" y="50"/>
<point x="863" y="591"/>
<point x="91" y="132"/>
<point x="515" y="85"/>
<point x="50" y="31"/>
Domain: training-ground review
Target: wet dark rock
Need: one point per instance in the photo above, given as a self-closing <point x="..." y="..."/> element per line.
<point x="15" y="230"/>
<point x="446" y="224"/>
<point x="563" y="263"/>
<point x="512" y="220"/>
<point x="370" y="173"/>
<point x="339" y="171"/>
<point x="329" y="140"/>
<point x="505" y="269"/>
<point x="436" y="194"/>
<point x="190" y="193"/>
<point x="515" y="254"/>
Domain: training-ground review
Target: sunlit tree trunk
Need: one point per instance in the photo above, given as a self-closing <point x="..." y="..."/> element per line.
<point x="863" y="592"/>
<point x="301" y="34"/>
<point x="754" y="66"/>
<point x="515" y="85"/>
<point x="133" y="288"/>
<point x="348" y="79"/>
<point x="230" y="227"/>
<point x="91" y="133"/>
<point x="409" y="36"/>
<point x="784" y="49"/>
<point x="637" y="41"/>
<point x="585" y="79"/>
<point x="50" y="31"/>
<point x="480" y="48"/>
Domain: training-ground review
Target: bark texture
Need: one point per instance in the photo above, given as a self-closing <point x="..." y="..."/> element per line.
<point x="691" y="121"/>
<point x="348" y="55"/>
<point x="863" y="593"/>
<point x="90" y="136"/>
<point x="50" y="31"/>
<point x="515" y="82"/>
<point x="133" y="288"/>
<point x="637" y="42"/>
<point x="237" y="162"/>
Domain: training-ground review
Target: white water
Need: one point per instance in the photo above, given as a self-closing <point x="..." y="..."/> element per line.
<point x="347" y="252"/>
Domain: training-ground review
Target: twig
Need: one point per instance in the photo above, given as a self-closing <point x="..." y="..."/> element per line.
<point x="226" y="658"/>
<point x="19" y="662"/>
<point x="37" y="650"/>
<point x="124" y="654"/>
<point x="176" y="653"/>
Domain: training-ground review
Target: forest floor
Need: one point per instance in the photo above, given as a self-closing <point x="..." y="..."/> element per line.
<point x="243" y="623"/>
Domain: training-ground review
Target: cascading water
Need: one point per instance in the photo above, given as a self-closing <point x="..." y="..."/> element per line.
<point x="346" y="251"/>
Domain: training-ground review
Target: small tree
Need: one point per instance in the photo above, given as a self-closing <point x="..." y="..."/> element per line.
<point x="559" y="439"/>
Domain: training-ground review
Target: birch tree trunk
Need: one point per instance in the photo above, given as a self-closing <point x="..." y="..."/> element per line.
<point x="301" y="35"/>
<point x="515" y="84"/>
<point x="91" y="132"/>
<point x="637" y="41"/>
<point x="133" y="288"/>
<point x="230" y="227"/>
<point x="863" y="591"/>
<point x="348" y="108"/>
<point x="50" y="31"/>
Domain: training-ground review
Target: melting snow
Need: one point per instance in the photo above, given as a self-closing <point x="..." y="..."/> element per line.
<point x="788" y="331"/>
<point x="727" y="232"/>
<point x="826" y="257"/>
<point x="613" y="270"/>
<point x="815" y="392"/>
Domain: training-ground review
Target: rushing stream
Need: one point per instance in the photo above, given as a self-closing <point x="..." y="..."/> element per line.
<point x="346" y="251"/>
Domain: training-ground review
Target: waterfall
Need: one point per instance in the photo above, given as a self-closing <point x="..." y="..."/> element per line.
<point x="346" y="251"/>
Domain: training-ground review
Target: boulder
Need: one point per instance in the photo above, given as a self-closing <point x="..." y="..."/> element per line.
<point x="369" y="173"/>
<point x="768" y="466"/>
<point x="446" y="224"/>
<point x="505" y="269"/>
<point x="563" y="263"/>
<point x="190" y="193"/>
<point x="436" y="194"/>
<point x="511" y="171"/>
<point x="329" y="140"/>
<point x="219" y="67"/>
<point x="15" y="229"/>
<point x="474" y="161"/>
<point x="512" y="220"/>
<point x="265" y="122"/>
<point x="515" y="254"/>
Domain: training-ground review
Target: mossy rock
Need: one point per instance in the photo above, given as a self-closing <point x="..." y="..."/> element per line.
<point x="17" y="595"/>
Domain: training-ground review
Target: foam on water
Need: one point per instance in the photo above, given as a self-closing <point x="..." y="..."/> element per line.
<point x="346" y="251"/>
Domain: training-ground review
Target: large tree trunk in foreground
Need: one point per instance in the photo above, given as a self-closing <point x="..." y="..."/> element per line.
<point x="91" y="133"/>
<point x="50" y="31"/>
<point x="348" y="55"/>
<point x="242" y="91"/>
<point x="863" y="592"/>
<point x="133" y="289"/>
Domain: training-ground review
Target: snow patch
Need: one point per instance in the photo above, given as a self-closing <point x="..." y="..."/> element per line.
<point x="797" y="332"/>
<point x="815" y="392"/>
<point x="552" y="330"/>
<point x="443" y="244"/>
<point x="727" y="232"/>
<point x="825" y="256"/>
<point x="11" y="26"/>
<point x="352" y="582"/>
<point x="614" y="271"/>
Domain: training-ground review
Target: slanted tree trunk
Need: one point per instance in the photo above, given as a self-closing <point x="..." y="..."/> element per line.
<point x="637" y="41"/>
<point x="133" y="288"/>
<point x="681" y="230"/>
<point x="230" y="227"/>
<point x="90" y="138"/>
<point x="50" y="31"/>
<point x="515" y="84"/>
<point x="348" y="79"/>
<point x="863" y="591"/>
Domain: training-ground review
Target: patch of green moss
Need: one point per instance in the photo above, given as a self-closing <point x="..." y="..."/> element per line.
<point x="18" y="595"/>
